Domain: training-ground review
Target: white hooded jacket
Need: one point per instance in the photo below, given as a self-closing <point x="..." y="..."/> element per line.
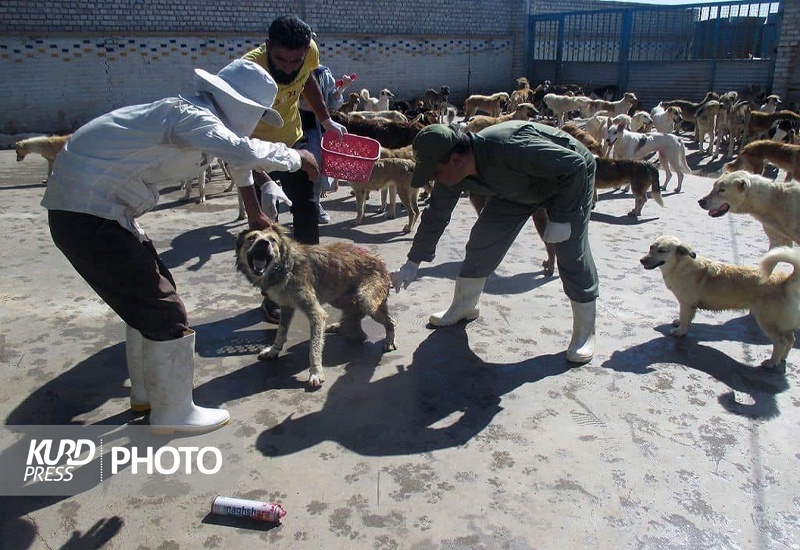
<point x="114" y="166"/>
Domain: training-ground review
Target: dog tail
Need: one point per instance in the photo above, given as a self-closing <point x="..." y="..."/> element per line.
<point x="782" y="254"/>
<point x="364" y="94"/>
<point x="655" y="186"/>
<point x="685" y="165"/>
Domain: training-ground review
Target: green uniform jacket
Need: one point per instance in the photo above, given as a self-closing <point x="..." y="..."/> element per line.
<point x="521" y="162"/>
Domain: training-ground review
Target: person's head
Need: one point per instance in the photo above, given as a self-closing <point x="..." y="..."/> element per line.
<point x="288" y="42"/>
<point x="441" y="154"/>
<point x="243" y="93"/>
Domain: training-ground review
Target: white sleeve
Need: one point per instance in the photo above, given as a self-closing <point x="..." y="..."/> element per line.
<point x="201" y="130"/>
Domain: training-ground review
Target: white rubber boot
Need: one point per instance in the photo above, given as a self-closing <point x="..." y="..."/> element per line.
<point x="168" y="373"/>
<point x="133" y="356"/>
<point x="465" y="298"/>
<point x="581" y="348"/>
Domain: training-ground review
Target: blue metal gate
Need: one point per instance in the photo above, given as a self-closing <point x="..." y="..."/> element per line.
<point x="658" y="52"/>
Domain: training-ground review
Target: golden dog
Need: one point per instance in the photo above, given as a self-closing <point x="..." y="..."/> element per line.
<point x="393" y="174"/>
<point x="775" y="205"/>
<point x="523" y="111"/>
<point x="753" y="156"/>
<point x="700" y="283"/>
<point x="47" y="146"/>
<point x="491" y="104"/>
<point x="302" y="276"/>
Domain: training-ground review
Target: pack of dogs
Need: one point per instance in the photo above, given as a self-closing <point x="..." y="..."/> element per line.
<point x="629" y="144"/>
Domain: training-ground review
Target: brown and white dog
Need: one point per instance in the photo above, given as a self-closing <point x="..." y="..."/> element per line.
<point x="633" y="145"/>
<point x="305" y="277"/>
<point x="700" y="283"/>
<point x="756" y="154"/>
<point x="46" y="146"/>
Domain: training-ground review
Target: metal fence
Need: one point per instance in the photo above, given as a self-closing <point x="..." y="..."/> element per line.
<point x="737" y="30"/>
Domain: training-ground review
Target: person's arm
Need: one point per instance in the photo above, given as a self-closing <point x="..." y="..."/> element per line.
<point x="256" y="218"/>
<point x="313" y="96"/>
<point x="434" y="220"/>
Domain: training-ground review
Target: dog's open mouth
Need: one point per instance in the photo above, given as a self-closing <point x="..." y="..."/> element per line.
<point x="259" y="257"/>
<point x="650" y="264"/>
<point x="721" y="211"/>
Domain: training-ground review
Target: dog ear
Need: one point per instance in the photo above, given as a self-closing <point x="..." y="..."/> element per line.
<point x="684" y="250"/>
<point x="240" y="239"/>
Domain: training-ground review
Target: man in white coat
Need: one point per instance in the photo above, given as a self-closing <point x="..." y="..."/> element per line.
<point x="109" y="174"/>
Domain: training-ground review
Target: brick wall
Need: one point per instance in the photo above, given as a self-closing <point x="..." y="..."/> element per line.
<point x="786" y="81"/>
<point x="65" y="62"/>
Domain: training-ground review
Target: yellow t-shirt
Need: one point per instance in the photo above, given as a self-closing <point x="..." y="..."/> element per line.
<point x="286" y="102"/>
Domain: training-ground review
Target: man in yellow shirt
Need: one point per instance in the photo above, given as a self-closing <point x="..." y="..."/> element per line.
<point x="290" y="55"/>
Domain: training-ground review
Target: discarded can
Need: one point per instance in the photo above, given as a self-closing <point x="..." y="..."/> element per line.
<point x="253" y="509"/>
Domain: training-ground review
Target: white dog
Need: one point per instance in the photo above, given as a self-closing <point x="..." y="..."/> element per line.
<point x="633" y="145"/>
<point x="380" y="103"/>
<point x="665" y="119"/>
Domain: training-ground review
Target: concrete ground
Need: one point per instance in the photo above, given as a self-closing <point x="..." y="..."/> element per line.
<point x="477" y="436"/>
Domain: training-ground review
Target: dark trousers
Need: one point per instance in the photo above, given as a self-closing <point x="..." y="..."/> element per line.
<point x="125" y="273"/>
<point x="300" y="190"/>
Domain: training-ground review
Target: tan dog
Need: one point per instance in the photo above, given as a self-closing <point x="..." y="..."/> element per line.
<point x="394" y="174"/>
<point x="775" y="205"/>
<point x="491" y="104"/>
<point x="304" y="277"/>
<point x="759" y="123"/>
<point x="590" y="106"/>
<point x="640" y="175"/>
<point x="754" y="155"/>
<point x="351" y="104"/>
<point x="562" y="105"/>
<point x="700" y="283"/>
<point x="47" y="146"/>
<point x="523" y="111"/>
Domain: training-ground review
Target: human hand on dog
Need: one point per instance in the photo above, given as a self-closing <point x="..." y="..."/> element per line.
<point x="404" y="276"/>
<point x="270" y="192"/>
<point x="331" y="126"/>
<point x="308" y="164"/>
<point x="557" y="232"/>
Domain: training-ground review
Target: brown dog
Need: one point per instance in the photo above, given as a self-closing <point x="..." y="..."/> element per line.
<point x="303" y="276"/>
<point x="393" y="174"/>
<point x="640" y="175"/>
<point x="754" y="155"/>
<point x="700" y="283"/>
<point x="47" y="146"/>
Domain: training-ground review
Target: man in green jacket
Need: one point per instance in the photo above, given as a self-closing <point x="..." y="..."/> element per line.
<point x="520" y="166"/>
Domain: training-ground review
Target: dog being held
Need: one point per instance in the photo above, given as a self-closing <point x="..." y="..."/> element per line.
<point x="776" y="205"/>
<point x="700" y="283"/>
<point x="304" y="277"/>
<point x="47" y="146"/>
